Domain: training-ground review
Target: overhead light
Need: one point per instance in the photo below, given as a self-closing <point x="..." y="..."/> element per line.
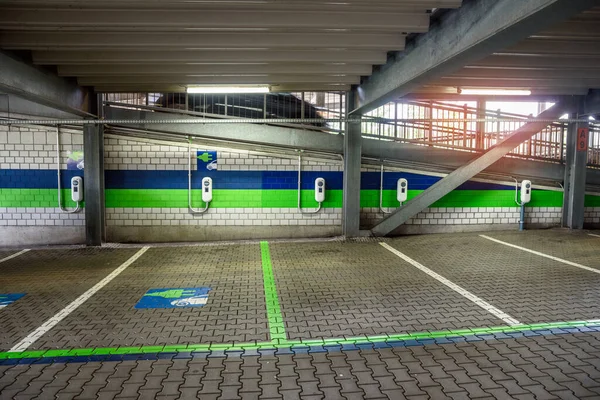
<point x="228" y="89"/>
<point x="494" y="92"/>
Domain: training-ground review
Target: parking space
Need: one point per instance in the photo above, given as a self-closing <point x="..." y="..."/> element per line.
<point x="310" y="291"/>
<point x="574" y="246"/>
<point x="51" y="280"/>
<point x="234" y="311"/>
<point x="331" y="289"/>
<point x="6" y="255"/>
<point x="526" y="286"/>
<point x="349" y="289"/>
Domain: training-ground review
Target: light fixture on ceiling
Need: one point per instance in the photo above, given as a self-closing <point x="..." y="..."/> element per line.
<point x="494" y="92"/>
<point x="228" y="89"/>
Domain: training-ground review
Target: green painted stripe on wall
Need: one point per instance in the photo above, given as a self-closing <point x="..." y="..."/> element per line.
<point x="466" y="198"/>
<point x="34" y="198"/>
<point x="223" y="198"/>
<point x="592" y="201"/>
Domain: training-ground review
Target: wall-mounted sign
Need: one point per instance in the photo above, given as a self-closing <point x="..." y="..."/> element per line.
<point x="9" y="298"/>
<point x="174" y="298"/>
<point x="75" y="160"/>
<point x="582" y="139"/>
<point x="207" y="160"/>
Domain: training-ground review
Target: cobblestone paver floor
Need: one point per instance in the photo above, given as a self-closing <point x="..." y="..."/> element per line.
<point x="545" y="367"/>
<point x="52" y="279"/>
<point x="314" y="292"/>
<point x="351" y="289"/>
<point x="528" y="287"/>
<point x="235" y="310"/>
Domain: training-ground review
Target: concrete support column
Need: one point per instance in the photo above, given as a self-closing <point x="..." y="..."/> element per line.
<point x="575" y="174"/>
<point x="93" y="184"/>
<point x="352" y="162"/>
<point x="480" y="136"/>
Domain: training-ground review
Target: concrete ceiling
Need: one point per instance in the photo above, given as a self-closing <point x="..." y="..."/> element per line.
<point x="148" y="45"/>
<point x="564" y="59"/>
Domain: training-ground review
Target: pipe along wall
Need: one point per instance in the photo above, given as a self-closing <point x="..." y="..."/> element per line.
<point x="254" y="196"/>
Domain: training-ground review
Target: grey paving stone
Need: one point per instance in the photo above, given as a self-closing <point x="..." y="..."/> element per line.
<point x="52" y="279"/>
<point x="336" y="289"/>
<point x="236" y="300"/>
<point x="528" y="287"/>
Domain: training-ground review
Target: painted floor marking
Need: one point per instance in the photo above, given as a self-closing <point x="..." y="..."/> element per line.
<point x="458" y="289"/>
<point x="52" y="322"/>
<point x="542" y="254"/>
<point x="274" y="316"/>
<point x="14" y="255"/>
<point x="328" y="344"/>
<point x="591" y="234"/>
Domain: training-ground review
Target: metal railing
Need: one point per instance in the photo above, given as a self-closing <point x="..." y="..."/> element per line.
<point x="462" y="128"/>
<point x="426" y="123"/>
<point x="297" y="105"/>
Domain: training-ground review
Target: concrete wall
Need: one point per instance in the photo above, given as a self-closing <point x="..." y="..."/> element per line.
<point x="28" y="187"/>
<point x="592" y="214"/>
<point x="255" y="195"/>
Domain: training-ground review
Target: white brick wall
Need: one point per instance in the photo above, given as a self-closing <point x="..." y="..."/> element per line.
<point x="40" y="216"/>
<point x="127" y="154"/>
<point x="592" y="215"/>
<point x="220" y="216"/>
<point x="471" y="216"/>
<point x="28" y="147"/>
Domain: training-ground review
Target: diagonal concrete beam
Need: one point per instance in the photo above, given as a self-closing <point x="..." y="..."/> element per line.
<point x="468" y="34"/>
<point x="469" y="170"/>
<point x="30" y="83"/>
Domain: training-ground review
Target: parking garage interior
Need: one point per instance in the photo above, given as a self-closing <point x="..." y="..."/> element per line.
<point x="368" y="199"/>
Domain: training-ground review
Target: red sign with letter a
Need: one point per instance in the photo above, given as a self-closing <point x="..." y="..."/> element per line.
<point x="582" y="139"/>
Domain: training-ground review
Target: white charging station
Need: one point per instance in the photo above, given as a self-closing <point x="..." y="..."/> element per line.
<point x="76" y="189"/>
<point x="402" y="190"/>
<point x="206" y="190"/>
<point x="525" y="192"/>
<point x="320" y="190"/>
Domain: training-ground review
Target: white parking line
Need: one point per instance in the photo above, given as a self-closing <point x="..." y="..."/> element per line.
<point x="14" y="255"/>
<point x="52" y="322"/>
<point x="463" y="292"/>
<point x="542" y="254"/>
<point x="591" y="234"/>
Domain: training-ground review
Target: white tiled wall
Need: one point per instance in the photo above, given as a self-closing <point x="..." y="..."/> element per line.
<point x="128" y="154"/>
<point x="29" y="147"/>
<point x="592" y="215"/>
<point x="39" y="216"/>
<point x="471" y="216"/>
<point x="220" y="217"/>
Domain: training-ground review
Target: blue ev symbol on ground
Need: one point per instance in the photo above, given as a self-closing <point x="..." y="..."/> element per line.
<point x="207" y="160"/>
<point x="9" y="298"/>
<point x="174" y="298"/>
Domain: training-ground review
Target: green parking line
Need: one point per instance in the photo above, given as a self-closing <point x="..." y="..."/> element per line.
<point x="276" y="326"/>
<point x="295" y="344"/>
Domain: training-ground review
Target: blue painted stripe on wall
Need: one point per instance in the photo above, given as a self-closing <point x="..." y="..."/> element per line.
<point x="221" y="179"/>
<point x="35" y="178"/>
<point x="370" y="181"/>
<point x="120" y="179"/>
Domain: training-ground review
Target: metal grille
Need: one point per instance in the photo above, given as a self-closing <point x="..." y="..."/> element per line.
<point x="594" y="148"/>
<point x="297" y="105"/>
<point x="459" y="127"/>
